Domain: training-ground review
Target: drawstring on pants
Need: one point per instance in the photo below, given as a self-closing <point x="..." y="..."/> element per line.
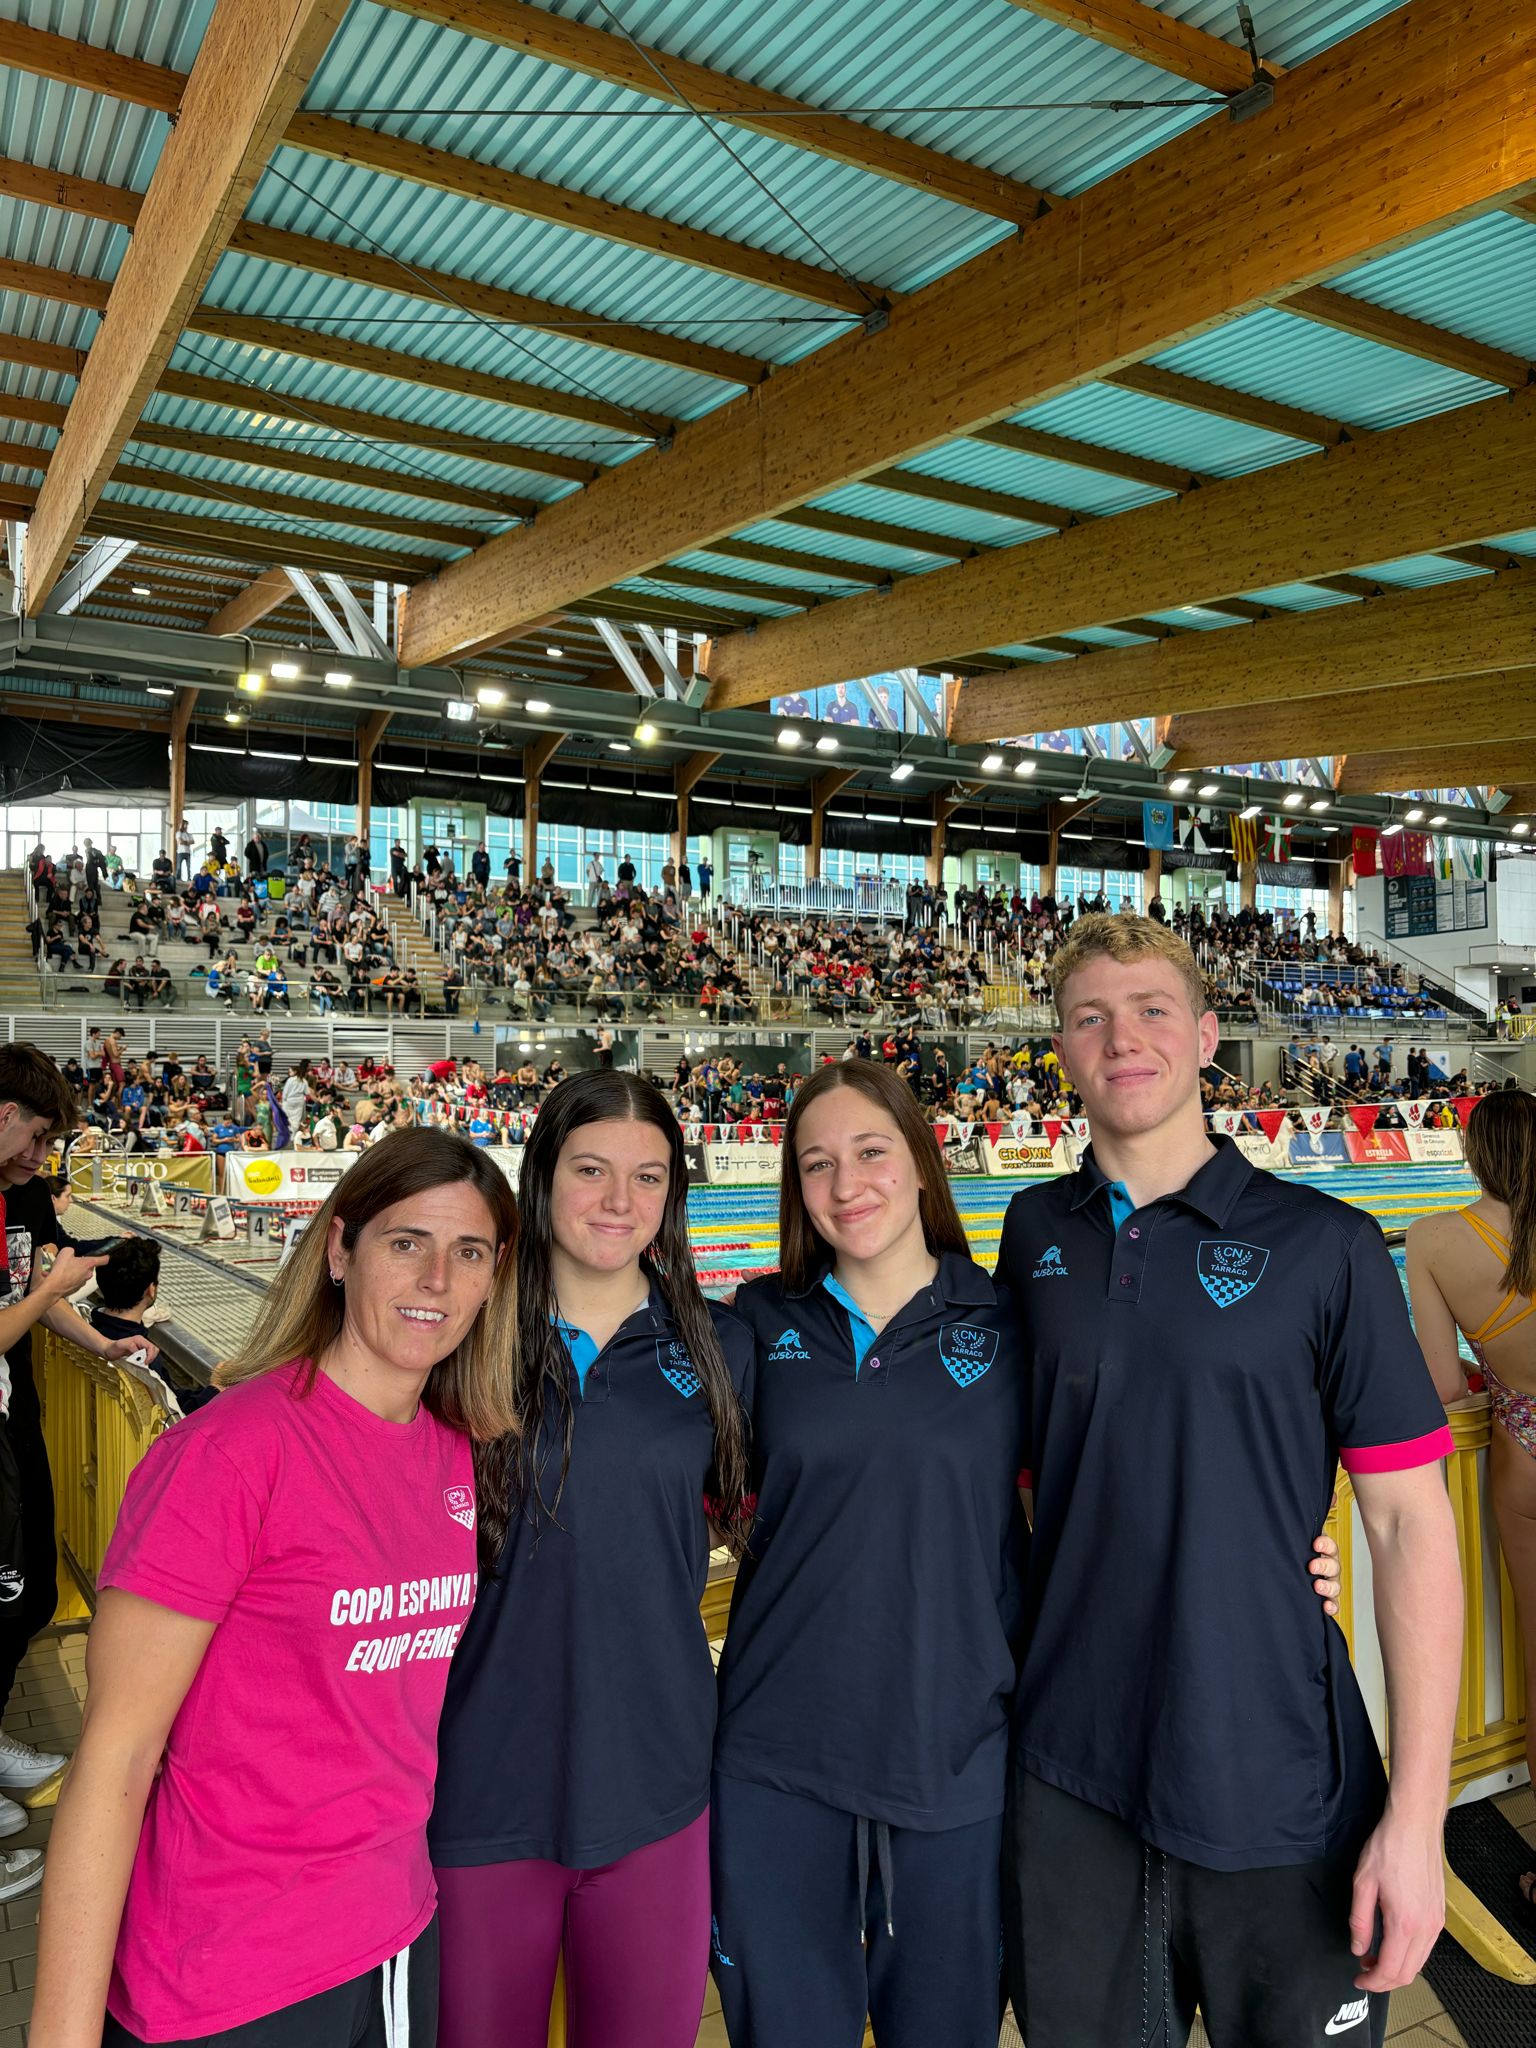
<point x="883" y="1863"/>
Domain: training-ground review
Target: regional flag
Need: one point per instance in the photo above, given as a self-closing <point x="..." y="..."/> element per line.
<point x="1157" y="825"/>
<point x="1245" y="839"/>
<point x="1363" y="849"/>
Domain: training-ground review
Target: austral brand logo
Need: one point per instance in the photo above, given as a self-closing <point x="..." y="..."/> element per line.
<point x="966" y="1351"/>
<point x="788" y="1346"/>
<point x="1048" y="1266"/>
<point x="677" y="1367"/>
<point x="460" y="1503"/>
<point x="1229" y="1271"/>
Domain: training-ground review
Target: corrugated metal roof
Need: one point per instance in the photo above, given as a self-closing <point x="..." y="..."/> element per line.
<point x="983" y="529"/>
<point x="1033" y="476"/>
<point x="1418" y="572"/>
<point x="1299" y="597"/>
<point x="269" y="524"/>
<point x="749" y="607"/>
<point x="158" y="31"/>
<point x="63" y="129"/>
<point x="769" y="574"/>
<point x="785" y="533"/>
<point x="1287" y="31"/>
<point x="1278" y="355"/>
<point x="1197" y="441"/>
<point x="1478" y="278"/>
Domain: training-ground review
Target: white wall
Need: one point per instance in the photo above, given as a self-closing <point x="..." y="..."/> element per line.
<point x="1516" y="912"/>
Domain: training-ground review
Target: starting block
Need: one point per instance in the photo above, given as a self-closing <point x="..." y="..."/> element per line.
<point x="151" y="1200"/>
<point x="293" y="1230"/>
<point x="218" y="1219"/>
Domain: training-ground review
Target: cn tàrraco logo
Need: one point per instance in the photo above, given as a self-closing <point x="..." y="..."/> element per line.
<point x="967" y="1351"/>
<point x="677" y="1367"/>
<point x="460" y="1503"/>
<point x="1229" y="1270"/>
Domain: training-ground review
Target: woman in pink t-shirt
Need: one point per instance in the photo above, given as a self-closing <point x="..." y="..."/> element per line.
<point x="241" y="1850"/>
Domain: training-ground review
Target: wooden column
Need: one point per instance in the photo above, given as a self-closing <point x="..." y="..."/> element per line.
<point x="1154" y="873"/>
<point x="688" y="774"/>
<point x="181" y="718"/>
<point x="1248" y="883"/>
<point x="537" y="755"/>
<point x="368" y="737"/>
<point x="1336" y="882"/>
<point x="823" y="789"/>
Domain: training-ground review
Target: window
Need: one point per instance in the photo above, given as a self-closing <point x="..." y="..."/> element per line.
<point x="1118" y="887"/>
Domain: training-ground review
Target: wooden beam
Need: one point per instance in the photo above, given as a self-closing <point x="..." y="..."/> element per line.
<point x="1448" y="629"/>
<point x="252" y="69"/>
<point x="1411" y="337"/>
<point x="67" y="194"/>
<point x="1136" y="469"/>
<point x="270" y="589"/>
<point x="66" y="287"/>
<point x="661" y="74"/>
<point x="1441" y="480"/>
<point x="371" y="731"/>
<point x="90" y="68"/>
<point x="1223" y="402"/>
<point x="1522" y="798"/>
<point x="943" y="490"/>
<point x="539" y="752"/>
<point x="1140" y="260"/>
<point x="181" y="717"/>
<point x="241" y="541"/>
<point x="1443" y="768"/>
<point x="690" y="773"/>
<point x="915" y="538"/>
<point x="1471" y="710"/>
<point x="1137" y="30"/>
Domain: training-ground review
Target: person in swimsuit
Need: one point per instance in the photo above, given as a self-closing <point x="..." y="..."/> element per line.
<point x="1473" y="1272"/>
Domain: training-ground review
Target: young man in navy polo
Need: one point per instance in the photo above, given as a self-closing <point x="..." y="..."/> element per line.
<point x="1198" y="1810"/>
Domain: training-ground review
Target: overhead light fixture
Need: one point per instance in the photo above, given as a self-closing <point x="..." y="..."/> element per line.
<point x="827" y="744"/>
<point x="1179" y="784"/>
<point x="159" y="690"/>
<point x="1209" y="789"/>
<point x="1412" y="817"/>
<point x="1250" y="810"/>
<point x="790" y="736"/>
<point x="232" y="718"/>
<point x="1520" y="830"/>
<point x="618" y="746"/>
<point x="402" y="767"/>
<point x="492" y="697"/>
<point x="339" y="678"/>
<point x="555" y="653"/>
<point x="1439" y="819"/>
<point x="1321" y="803"/>
<point x="646" y="733"/>
<point x="1293" y="800"/>
<point x="141" y="590"/>
<point x="1025" y="767"/>
<point x="250" y="680"/>
<point x="332" y="761"/>
<point x="537" y="705"/>
<point x="991" y="763"/>
<point x="901" y="771"/>
<point x="272" y="754"/>
<point x="286" y="671"/>
<point x="459" y="710"/>
<point x="1392" y="827"/>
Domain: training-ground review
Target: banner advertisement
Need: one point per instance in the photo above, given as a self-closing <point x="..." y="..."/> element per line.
<point x="693" y="1157"/>
<point x="960" y="1149"/>
<point x="753" y="1164"/>
<point x="1437" y="1148"/>
<point x="1317" y="1151"/>
<point x="508" y="1157"/>
<point x="1009" y="1156"/>
<point x="283" y="1176"/>
<point x="1377" y="1148"/>
<point x="120" y="1171"/>
<point x="1257" y="1150"/>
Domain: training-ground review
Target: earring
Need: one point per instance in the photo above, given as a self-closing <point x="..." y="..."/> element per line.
<point x="335" y="1279"/>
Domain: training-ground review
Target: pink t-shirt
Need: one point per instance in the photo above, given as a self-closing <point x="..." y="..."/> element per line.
<point x="284" y="1845"/>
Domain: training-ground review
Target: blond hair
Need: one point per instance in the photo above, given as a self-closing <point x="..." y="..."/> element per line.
<point x="1105" y="935"/>
<point x="472" y="1389"/>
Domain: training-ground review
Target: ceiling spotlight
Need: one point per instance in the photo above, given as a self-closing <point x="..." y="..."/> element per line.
<point x="459" y="710"/>
<point x="1439" y="819"/>
<point x="1391" y="828"/>
<point x="232" y="718"/>
<point x="646" y="733"/>
<point x="1025" y="767"/>
<point x="1179" y="784"/>
<point x="492" y="697"/>
<point x="555" y="653"/>
<point x="1250" y="810"/>
<point x="285" y="671"/>
<point x="827" y="744"/>
<point x="1520" y="830"/>
<point x="159" y="690"/>
<point x="1294" y="799"/>
<point x="1322" y="803"/>
<point x="1209" y="789"/>
<point x="901" y="771"/>
<point x="250" y="681"/>
<point x="339" y="678"/>
<point x="1412" y="817"/>
<point x="141" y="590"/>
<point x="789" y="736"/>
<point x="537" y="705"/>
<point x="991" y="763"/>
<point x="618" y="746"/>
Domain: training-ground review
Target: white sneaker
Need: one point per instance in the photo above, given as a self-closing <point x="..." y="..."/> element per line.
<point x="23" y="1769"/>
<point x="13" y="1818"/>
<point x="21" y="1870"/>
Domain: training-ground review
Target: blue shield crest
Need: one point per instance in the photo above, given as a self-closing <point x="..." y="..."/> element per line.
<point x="1229" y="1270"/>
<point x="966" y="1351"/>
<point x="677" y="1367"/>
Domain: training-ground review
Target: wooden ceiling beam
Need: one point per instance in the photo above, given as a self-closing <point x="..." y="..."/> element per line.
<point x="1142" y="259"/>
<point x="881" y="534"/>
<point x="943" y="490"/>
<point x="1135" y="469"/>
<point x="1498" y="705"/>
<point x="252" y="68"/>
<point x="1223" y="402"/>
<point x="1391" y="771"/>
<point x="1436" y="482"/>
<point x="253" y="545"/>
<point x="58" y="189"/>
<point x="1137" y="30"/>
<point x="1522" y="798"/>
<point x="660" y="74"/>
<point x="1403" y="636"/>
<point x="690" y="773"/>
<point x="1430" y="344"/>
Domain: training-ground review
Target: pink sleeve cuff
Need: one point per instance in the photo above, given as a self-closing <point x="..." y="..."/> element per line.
<point x="1418" y="1450"/>
<point x="1027" y="1479"/>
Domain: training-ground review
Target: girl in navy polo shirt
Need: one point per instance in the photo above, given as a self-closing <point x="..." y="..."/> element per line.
<point x="574" y="1773"/>
<point x="861" y="1757"/>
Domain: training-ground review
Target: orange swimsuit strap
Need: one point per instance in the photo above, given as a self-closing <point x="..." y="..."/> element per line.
<point x="1495" y="1325"/>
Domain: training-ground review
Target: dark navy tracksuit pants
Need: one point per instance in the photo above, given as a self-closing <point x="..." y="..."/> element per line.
<point x="800" y="1958"/>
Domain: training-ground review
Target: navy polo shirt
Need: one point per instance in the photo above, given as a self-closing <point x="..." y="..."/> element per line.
<point x="1200" y="1368"/>
<point x="580" y="1710"/>
<point x="871" y="1653"/>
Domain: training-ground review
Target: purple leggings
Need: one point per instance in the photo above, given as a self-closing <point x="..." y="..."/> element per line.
<point x="635" y="1935"/>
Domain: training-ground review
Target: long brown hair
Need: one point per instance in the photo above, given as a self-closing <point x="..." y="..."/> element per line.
<point x="510" y="1475"/>
<point x="471" y="1389"/>
<point x="802" y="1249"/>
<point x="1501" y="1151"/>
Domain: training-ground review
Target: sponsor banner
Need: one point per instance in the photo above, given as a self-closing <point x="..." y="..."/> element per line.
<point x="1377" y="1148"/>
<point x="1314" y="1116"/>
<point x="1439" y="1148"/>
<point x="742" y="1165"/>
<point x="962" y="1156"/>
<point x="283" y="1176"/>
<point x="693" y="1158"/>
<point x="1256" y="1149"/>
<point x="122" y="1173"/>
<point x="508" y="1157"/>
<point x="1318" y="1150"/>
<point x="1008" y="1157"/>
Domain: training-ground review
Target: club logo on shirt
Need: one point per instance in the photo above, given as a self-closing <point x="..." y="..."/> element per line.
<point x="966" y="1351"/>
<point x="1228" y="1271"/>
<point x="788" y="1346"/>
<point x="460" y="1503"/>
<point x="1049" y="1266"/>
<point x="677" y="1367"/>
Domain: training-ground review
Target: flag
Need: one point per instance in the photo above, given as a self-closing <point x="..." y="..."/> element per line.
<point x="1277" y="838"/>
<point x="1192" y="830"/>
<point x="1363" y="1116"/>
<point x="1469" y="855"/>
<point x="1052" y="1128"/>
<point x="1157" y="825"/>
<point x="1363" y="846"/>
<point x="1464" y="1106"/>
<point x="1405" y="853"/>
<point x="1271" y="1123"/>
<point x="1245" y="839"/>
<point x="1442" y="861"/>
<point x="280" y="1131"/>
